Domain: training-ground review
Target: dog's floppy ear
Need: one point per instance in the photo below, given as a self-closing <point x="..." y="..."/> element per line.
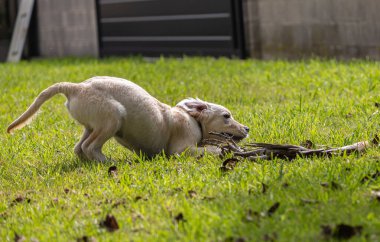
<point x="193" y="106"/>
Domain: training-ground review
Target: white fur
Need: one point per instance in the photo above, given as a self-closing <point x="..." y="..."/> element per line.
<point x="113" y="107"/>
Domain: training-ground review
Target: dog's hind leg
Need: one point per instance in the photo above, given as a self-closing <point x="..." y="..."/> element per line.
<point x="92" y="146"/>
<point x="101" y="116"/>
<point x="78" y="147"/>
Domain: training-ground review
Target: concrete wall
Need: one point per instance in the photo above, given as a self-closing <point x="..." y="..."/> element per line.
<point x="67" y="28"/>
<point x="302" y="28"/>
<point x="287" y="29"/>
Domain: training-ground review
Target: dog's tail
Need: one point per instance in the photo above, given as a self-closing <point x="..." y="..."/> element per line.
<point x="65" y="88"/>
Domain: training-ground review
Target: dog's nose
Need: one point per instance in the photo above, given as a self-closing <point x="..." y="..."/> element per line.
<point x="246" y="129"/>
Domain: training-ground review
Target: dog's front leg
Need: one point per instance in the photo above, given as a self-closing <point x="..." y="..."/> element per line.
<point x="200" y="151"/>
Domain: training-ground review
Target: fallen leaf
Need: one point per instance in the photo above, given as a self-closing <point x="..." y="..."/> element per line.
<point x="19" y="238"/>
<point x="327" y="230"/>
<point x="270" y="237"/>
<point x="376" y="140"/>
<point x="307" y="144"/>
<point x="349" y="115"/>
<point x="112" y="171"/>
<point x="264" y="188"/>
<point x="229" y="164"/>
<point x="324" y="184"/>
<point x="192" y="194"/>
<point x="119" y="202"/>
<point x="285" y="185"/>
<point x="110" y="223"/>
<point x="273" y="209"/>
<point x="86" y="238"/>
<point x="233" y="239"/>
<point x="137" y="198"/>
<point x="179" y="218"/>
<point x="20" y="199"/>
<point x="200" y="157"/>
<point x="335" y="186"/>
<point x="344" y="231"/>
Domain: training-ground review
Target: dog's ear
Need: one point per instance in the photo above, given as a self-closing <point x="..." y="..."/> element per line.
<point x="193" y="106"/>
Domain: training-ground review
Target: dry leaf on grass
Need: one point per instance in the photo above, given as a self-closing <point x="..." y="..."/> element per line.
<point x="273" y="209"/>
<point x="179" y="218"/>
<point x="20" y="199"/>
<point x="110" y="223"/>
<point x="192" y="194"/>
<point x="112" y="171"/>
<point x="341" y="231"/>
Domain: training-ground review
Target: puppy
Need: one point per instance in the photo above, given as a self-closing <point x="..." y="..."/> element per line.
<point x="113" y="107"/>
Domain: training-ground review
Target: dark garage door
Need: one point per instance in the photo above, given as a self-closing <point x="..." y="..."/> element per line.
<point x="170" y="27"/>
<point x="8" y="10"/>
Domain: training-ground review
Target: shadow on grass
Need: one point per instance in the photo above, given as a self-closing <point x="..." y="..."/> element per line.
<point x="78" y="165"/>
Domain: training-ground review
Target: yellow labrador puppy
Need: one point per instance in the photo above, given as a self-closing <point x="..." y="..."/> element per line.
<point x="113" y="107"/>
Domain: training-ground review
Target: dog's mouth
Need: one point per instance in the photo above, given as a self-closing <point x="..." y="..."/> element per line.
<point x="236" y="138"/>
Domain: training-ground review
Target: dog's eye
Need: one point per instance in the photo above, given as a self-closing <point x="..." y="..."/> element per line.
<point x="227" y="115"/>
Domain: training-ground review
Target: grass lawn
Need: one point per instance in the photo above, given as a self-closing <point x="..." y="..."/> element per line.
<point x="48" y="194"/>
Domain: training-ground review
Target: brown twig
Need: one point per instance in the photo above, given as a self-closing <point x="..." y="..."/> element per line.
<point x="270" y="151"/>
<point x="231" y="143"/>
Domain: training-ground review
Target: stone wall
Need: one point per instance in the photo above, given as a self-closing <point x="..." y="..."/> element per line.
<point x="67" y="28"/>
<point x="293" y="29"/>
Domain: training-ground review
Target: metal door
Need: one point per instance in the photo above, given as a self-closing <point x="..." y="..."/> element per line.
<point x="8" y="11"/>
<point x="170" y="27"/>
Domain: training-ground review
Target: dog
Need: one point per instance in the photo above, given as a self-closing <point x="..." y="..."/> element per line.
<point x="114" y="107"/>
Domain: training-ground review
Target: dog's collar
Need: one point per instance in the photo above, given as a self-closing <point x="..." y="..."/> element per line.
<point x="199" y="123"/>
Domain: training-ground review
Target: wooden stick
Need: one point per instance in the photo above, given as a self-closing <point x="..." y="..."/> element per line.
<point x="267" y="151"/>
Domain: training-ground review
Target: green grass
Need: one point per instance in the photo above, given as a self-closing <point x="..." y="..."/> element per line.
<point x="328" y="102"/>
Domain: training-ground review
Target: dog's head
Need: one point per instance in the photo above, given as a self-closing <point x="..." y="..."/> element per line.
<point x="214" y="118"/>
